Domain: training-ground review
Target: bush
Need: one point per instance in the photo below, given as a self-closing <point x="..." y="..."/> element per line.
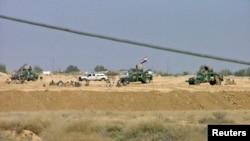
<point x="84" y="127"/>
<point x="149" y="131"/>
<point x="243" y="72"/>
<point x="219" y="117"/>
<point x="226" y="72"/>
<point x="37" y="69"/>
<point x="3" y="68"/>
<point x="100" y="68"/>
<point x="35" y="125"/>
<point x="72" y="68"/>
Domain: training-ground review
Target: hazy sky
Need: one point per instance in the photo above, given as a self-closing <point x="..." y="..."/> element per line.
<point x="214" y="27"/>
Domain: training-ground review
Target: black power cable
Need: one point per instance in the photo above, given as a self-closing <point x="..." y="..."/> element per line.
<point x="125" y="41"/>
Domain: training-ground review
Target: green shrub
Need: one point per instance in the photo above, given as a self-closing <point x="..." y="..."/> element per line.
<point x="218" y="117"/>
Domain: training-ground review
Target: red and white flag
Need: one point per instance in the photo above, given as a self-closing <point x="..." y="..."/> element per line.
<point x="145" y="59"/>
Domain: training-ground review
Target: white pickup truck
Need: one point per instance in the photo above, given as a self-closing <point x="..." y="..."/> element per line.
<point x="93" y="77"/>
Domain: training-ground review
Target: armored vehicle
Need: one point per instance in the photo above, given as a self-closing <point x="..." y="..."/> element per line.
<point x="137" y="75"/>
<point x="25" y="73"/>
<point x="206" y="75"/>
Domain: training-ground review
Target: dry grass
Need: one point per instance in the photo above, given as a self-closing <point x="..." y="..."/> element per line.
<point x="119" y="126"/>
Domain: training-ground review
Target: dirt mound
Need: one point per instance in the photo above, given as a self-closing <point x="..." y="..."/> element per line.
<point x="122" y="101"/>
<point x="25" y="135"/>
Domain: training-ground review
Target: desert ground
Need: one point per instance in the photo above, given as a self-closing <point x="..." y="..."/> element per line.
<point x="163" y="93"/>
<point x="164" y="96"/>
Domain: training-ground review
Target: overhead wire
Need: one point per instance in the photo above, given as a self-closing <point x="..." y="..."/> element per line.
<point x="125" y="41"/>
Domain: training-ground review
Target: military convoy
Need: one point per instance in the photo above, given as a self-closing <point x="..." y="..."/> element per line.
<point x="206" y="75"/>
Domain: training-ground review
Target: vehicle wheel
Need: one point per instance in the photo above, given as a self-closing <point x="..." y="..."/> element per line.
<point x="125" y="82"/>
<point x="213" y="82"/>
<point x="147" y="80"/>
<point x="191" y="81"/>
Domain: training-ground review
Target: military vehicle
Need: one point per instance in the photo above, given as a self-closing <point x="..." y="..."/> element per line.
<point x="24" y="73"/>
<point x="206" y="75"/>
<point x="136" y="75"/>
